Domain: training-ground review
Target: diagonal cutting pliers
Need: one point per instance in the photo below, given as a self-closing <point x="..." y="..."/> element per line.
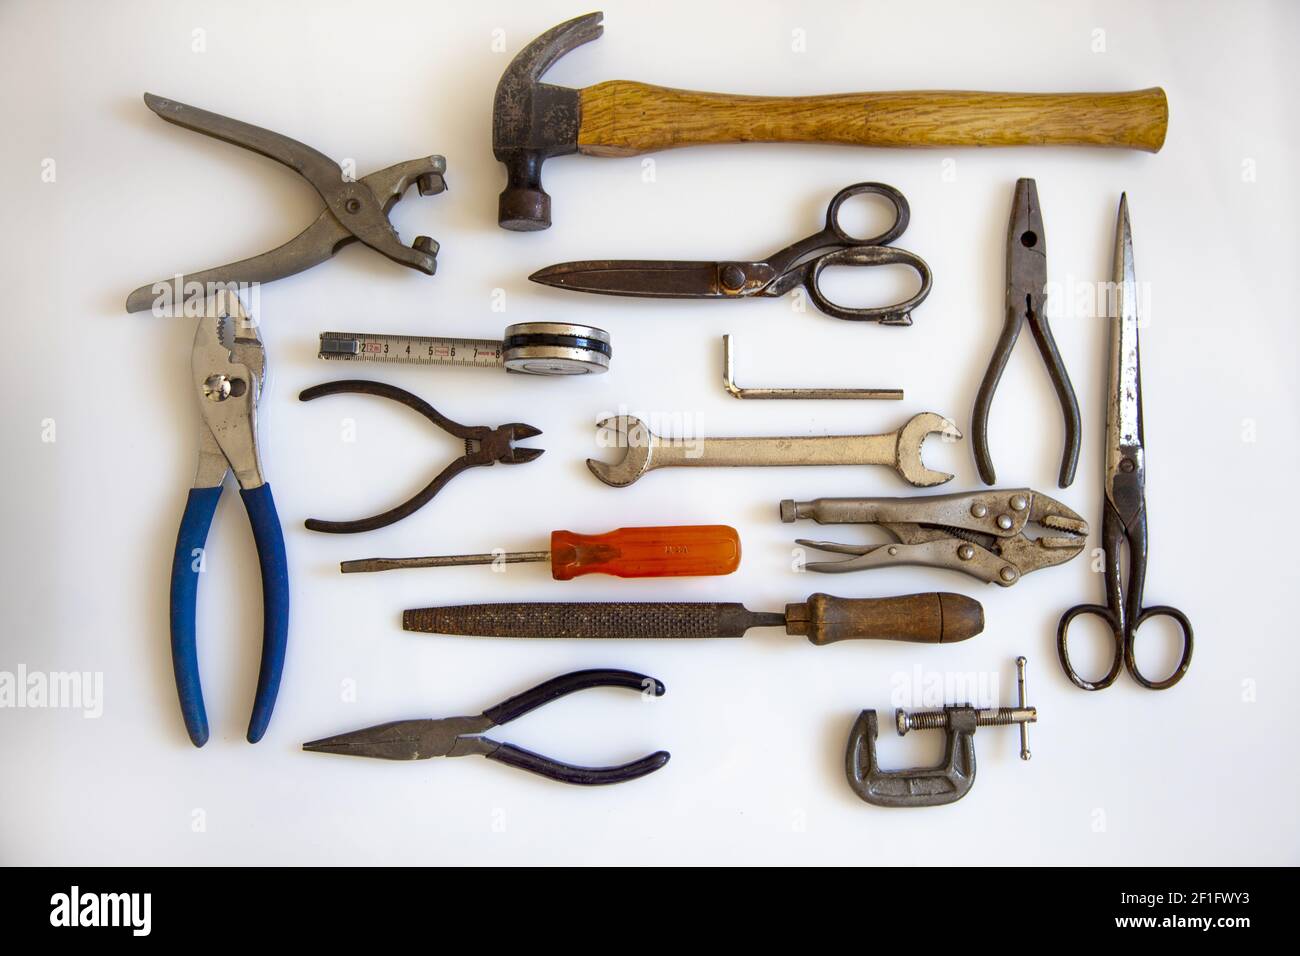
<point x="355" y="210"/>
<point x="228" y="366"/>
<point x="462" y="736"/>
<point x="483" y="446"/>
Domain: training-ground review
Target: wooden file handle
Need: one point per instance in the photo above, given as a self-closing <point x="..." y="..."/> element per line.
<point x="623" y="118"/>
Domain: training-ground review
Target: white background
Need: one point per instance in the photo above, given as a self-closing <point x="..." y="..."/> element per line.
<point x="1202" y="773"/>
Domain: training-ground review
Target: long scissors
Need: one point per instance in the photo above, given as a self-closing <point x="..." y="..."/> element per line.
<point x="798" y="264"/>
<point x="1124" y="516"/>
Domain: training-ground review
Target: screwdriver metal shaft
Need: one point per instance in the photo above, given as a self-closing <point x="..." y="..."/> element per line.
<point x="443" y="561"/>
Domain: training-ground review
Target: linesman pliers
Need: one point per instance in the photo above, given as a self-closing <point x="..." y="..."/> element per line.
<point x="228" y="364"/>
<point x="462" y="736"/>
<point x="355" y="210"/>
<point x="980" y="534"/>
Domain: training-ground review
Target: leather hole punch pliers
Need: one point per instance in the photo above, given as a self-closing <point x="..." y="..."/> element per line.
<point x="228" y="365"/>
<point x="462" y="736"/>
<point x="355" y="210"/>
<point x="1026" y="301"/>
<point x="483" y="446"/>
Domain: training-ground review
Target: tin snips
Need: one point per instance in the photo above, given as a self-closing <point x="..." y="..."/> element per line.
<point x="981" y="534"/>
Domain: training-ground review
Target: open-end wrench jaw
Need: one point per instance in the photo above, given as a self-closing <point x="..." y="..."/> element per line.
<point x="636" y="440"/>
<point x="911" y="437"/>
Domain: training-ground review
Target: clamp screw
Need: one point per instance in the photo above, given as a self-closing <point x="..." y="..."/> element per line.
<point x="1019" y="503"/>
<point x="979" y="510"/>
<point x="1024" y="715"/>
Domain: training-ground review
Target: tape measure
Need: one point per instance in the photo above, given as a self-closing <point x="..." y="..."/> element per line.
<point x="534" y="348"/>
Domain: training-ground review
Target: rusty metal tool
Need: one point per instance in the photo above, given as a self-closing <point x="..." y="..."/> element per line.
<point x="355" y="210"/>
<point x="532" y="120"/>
<point x="935" y="618"/>
<point x="950" y="780"/>
<point x="1124" y="510"/>
<point x="646" y="451"/>
<point x="463" y="736"/>
<point x="981" y="534"/>
<point x="228" y="369"/>
<point x="662" y="552"/>
<point x="483" y="446"/>
<point x="798" y="264"/>
<point x="736" y="391"/>
<point x="535" y="348"/>
<point x="1026" y="302"/>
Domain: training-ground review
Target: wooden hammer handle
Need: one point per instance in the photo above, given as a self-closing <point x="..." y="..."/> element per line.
<point x="624" y="118"/>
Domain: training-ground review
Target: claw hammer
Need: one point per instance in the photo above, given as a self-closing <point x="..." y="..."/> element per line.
<point x="532" y="120"/>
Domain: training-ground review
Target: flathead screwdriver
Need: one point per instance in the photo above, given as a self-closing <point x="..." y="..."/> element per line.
<point x="674" y="551"/>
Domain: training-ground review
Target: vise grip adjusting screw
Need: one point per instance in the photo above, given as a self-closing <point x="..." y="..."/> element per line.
<point x="1024" y="715"/>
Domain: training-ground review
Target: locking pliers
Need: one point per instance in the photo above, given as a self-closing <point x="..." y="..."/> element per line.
<point x="981" y="534"/>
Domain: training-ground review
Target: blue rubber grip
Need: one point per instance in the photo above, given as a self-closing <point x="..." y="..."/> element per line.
<point x="275" y="603"/>
<point x="190" y="538"/>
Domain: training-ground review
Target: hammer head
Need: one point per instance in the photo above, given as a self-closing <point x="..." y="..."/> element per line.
<point x="532" y="120"/>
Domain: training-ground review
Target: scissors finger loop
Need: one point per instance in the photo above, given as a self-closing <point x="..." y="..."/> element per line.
<point x="902" y="213"/>
<point x="1184" y="624"/>
<point x="900" y="313"/>
<point x="1063" y="647"/>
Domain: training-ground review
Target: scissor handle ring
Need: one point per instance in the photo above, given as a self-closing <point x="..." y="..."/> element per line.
<point x="900" y="313"/>
<point x="1162" y="610"/>
<point x="902" y="213"/>
<point x="1063" y="648"/>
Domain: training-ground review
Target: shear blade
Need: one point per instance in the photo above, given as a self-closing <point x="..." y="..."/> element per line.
<point x="644" y="278"/>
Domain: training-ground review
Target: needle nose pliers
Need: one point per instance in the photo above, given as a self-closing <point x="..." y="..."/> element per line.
<point x="461" y="736"/>
<point x="228" y="366"/>
<point x="1026" y="300"/>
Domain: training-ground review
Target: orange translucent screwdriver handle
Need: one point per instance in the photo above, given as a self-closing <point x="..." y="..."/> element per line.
<point x="646" y="552"/>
